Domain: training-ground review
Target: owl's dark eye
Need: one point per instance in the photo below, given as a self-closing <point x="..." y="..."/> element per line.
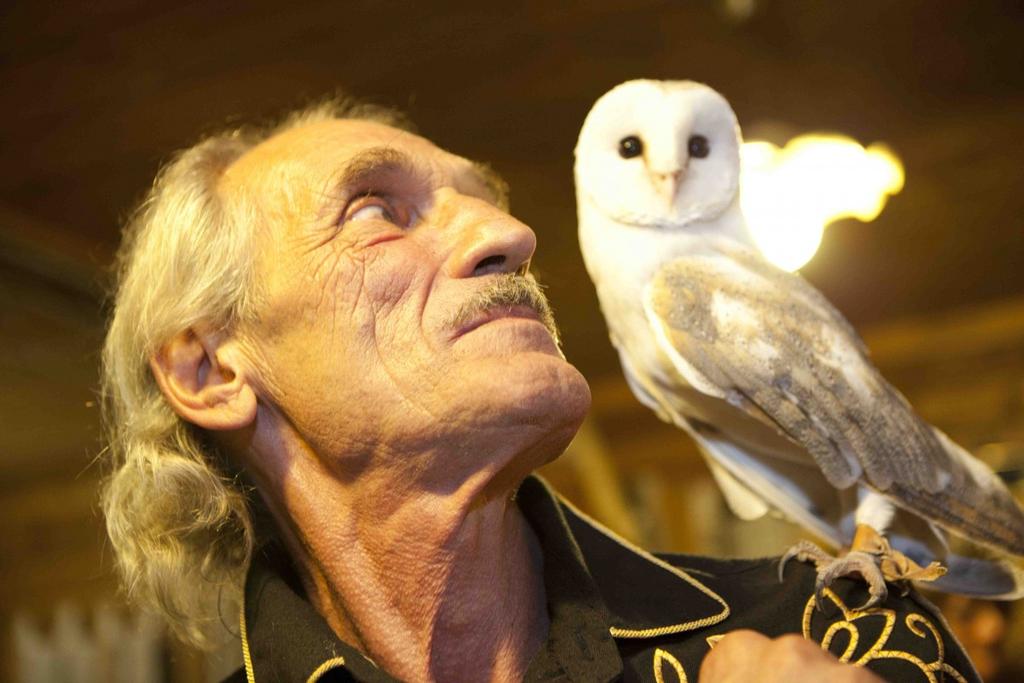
<point x="698" y="146"/>
<point x="630" y="147"/>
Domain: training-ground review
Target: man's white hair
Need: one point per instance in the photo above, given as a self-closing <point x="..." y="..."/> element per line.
<point x="179" y="522"/>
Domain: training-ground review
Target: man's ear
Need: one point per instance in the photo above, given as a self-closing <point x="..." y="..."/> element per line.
<point x="204" y="377"/>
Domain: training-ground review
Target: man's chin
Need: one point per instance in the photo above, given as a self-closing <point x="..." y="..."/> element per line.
<point x="540" y="382"/>
<point x="521" y="411"/>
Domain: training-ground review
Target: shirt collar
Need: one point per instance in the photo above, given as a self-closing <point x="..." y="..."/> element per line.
<point x="283" y="637"/>
<point x="644" y="596"/>
<point x="599" y="587"/>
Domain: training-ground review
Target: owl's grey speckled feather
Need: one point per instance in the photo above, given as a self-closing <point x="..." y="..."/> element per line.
<point x="773" y="345"/>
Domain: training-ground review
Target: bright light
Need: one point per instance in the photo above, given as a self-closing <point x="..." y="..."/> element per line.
<point x="790" y="194"/>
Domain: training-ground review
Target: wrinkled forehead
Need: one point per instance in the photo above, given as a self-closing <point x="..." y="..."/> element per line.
<point x="300" y="162"/>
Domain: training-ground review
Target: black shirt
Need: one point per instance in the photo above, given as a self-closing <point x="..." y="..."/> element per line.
<point x="619" y="613"/>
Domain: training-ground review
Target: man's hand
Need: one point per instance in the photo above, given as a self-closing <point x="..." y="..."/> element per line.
<point x="749" y="656"/>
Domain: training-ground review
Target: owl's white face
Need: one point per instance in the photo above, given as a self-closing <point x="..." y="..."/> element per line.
<point x="659" y="153"/>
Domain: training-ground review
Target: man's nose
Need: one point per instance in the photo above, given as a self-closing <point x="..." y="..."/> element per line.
<point x="486" y="239"/>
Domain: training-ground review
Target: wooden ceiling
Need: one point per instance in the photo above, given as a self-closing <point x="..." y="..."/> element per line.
<point x="95" y="95"/>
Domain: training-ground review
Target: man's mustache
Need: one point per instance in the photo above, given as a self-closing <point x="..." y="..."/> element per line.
<point x="508" y="290"/>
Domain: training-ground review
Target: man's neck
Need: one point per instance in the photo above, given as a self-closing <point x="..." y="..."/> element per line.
<point x="439" y="588"/>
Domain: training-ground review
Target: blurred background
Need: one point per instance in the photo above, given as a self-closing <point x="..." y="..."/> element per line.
<point x="96" y="95"/>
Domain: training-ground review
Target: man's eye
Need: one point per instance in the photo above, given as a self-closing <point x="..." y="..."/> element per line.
<point x="370" y="211"/>
<point x="374" y="207"/>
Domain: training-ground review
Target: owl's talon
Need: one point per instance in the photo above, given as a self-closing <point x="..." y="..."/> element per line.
<point x="831" y="568"/>
<point x="803" y="551"/>
<point x="819" y="596"/>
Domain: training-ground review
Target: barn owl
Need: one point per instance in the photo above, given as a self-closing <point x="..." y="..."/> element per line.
<point x="754" y="363"/>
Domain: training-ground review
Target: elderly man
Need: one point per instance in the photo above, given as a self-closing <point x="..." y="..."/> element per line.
<point x="329" y="376"/>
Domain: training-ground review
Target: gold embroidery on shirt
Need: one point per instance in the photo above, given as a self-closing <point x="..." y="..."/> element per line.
<point x="917" y="624"/>
<point x="250" y="676"/>
<point x="326" y="666"/>
<point x="660" y="658"/>
<point x="713" y="640"/>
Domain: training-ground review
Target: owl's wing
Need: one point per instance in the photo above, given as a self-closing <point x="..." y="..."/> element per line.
<point x="771" y="345"/>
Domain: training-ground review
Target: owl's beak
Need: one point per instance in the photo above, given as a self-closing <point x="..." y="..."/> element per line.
<point x="667" y="184"/>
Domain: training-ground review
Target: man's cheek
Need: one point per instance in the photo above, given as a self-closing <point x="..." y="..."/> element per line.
<point x="338" y="282"/>
<point x="391" y="286"/>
